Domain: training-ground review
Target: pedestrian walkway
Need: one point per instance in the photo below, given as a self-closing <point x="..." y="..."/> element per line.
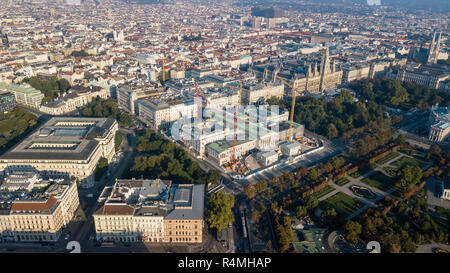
<point x="358" y="181"/>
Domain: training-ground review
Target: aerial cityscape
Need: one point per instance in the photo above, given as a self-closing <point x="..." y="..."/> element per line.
<point x="233" y="126"/>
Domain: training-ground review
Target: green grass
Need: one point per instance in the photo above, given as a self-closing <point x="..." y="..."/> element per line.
<point x="391" y="170"/>
<point x="409" y="152"/>
<point x="342" y="182"/>
<point x="343" y="204"/>
<point x="442" y="224"/>
<point x="387" y="158"/>
<point x="408" y="161"/>
<point x="364" y="170"/>
<point x="380" y="181"/>
<point x="323" y="191"/>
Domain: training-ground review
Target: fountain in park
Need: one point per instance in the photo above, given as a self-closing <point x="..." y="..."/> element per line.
<point x="362" y="191"/>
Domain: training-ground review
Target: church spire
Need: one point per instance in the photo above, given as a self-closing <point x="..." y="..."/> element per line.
<point x="433" y="52"/>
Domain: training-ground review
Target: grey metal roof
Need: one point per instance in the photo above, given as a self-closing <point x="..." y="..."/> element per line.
<point x="84" y="143"/>
<point x="192" y="213"/>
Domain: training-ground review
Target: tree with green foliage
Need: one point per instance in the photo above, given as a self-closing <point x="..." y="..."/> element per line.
<point x="118" y="137"/>
<point x="14" y="125"/>
<point x="212" y="177"/>
<point x="51" y="88"/>
<point x="342" y="112"/>
<point x="408" y="177"/>
<point x="311" y="202"/>
<point x="394" y="93"/>
<point x="220" y="214"/>
<point x="260" y="186"/>
<point x="79" y="53"/>
<point x="301" y="211"/>
<point x="276" y="101"/>
<point x="107" y="109"/>
<point x="332" y="132"/>
<point x="328" y="216"/>
<point x="250" y="191"/>
<point x="313" y="174"/>
<point x="352" y="230"/>
<point x="161" y="158"/>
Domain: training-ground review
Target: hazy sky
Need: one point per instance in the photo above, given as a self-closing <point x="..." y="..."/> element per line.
<point x="374" y="2"/>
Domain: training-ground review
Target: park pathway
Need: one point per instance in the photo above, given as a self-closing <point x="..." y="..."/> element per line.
<point x="358" y="181"/>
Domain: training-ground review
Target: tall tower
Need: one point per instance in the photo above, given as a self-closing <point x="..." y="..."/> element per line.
<point x="433" y="52"/>
<point x="324" y="68"/>
<point x="118" y="35"/>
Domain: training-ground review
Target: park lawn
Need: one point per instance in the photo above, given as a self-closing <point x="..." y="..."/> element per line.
<point x="364" y="170"/>
<point x="391" y="170"/>
<point x="380" y="181"/>
<point x="323" y="191"/>
<point x="442" y="224"/>
<point x="344" y="204"/>
<point x="408" y="161"/>
<point x="409" y="152"/>
<point x="387" y="158"/>
<point x="341" y="182"/>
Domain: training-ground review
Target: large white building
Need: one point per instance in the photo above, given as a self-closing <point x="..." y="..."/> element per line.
<point x="78" y="96"/>
<point x="33" y="215"/>
<point x="160" y="114"/>
<point x="151" y="211"/>
<point x="62" y="147"/>
<point x="127" y="98"/>
<point x="25" y="94"/>
<point x="439" y="123"/>
<point x="260" y="93"/>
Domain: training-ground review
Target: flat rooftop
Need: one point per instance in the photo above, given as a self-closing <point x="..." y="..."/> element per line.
<point x="62" y="138"/>
<point x="22" y="88"/>
<point x="222" y="145"/>
<point x="187" y="201"/>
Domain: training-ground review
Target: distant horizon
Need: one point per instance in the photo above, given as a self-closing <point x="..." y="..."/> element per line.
<point x="373" y="2"/>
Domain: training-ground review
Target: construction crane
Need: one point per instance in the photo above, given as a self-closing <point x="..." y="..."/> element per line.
<point x="291" y="117"/>
<point x="235" y="115"/>
<point x="235" y="122"/>
<point x="198" y="92"/>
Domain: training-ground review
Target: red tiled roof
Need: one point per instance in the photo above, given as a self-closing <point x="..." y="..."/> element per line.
<point x="115" y="210"/>
<point x="18" y="205"/>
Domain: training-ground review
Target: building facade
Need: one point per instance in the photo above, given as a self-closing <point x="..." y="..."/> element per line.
<point x="439" y="123"/>
<point x="262" y="93"/>
<point x="62" y="147"/>
<point x="24" y="94"/>
<point x="78" y="96"/>
<point x="37" y="216"/>
<point x="151" y="211"/>
<point x="431" y="76"/>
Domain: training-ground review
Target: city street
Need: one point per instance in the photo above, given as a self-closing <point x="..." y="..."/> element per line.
<point x="84" y="231"/>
